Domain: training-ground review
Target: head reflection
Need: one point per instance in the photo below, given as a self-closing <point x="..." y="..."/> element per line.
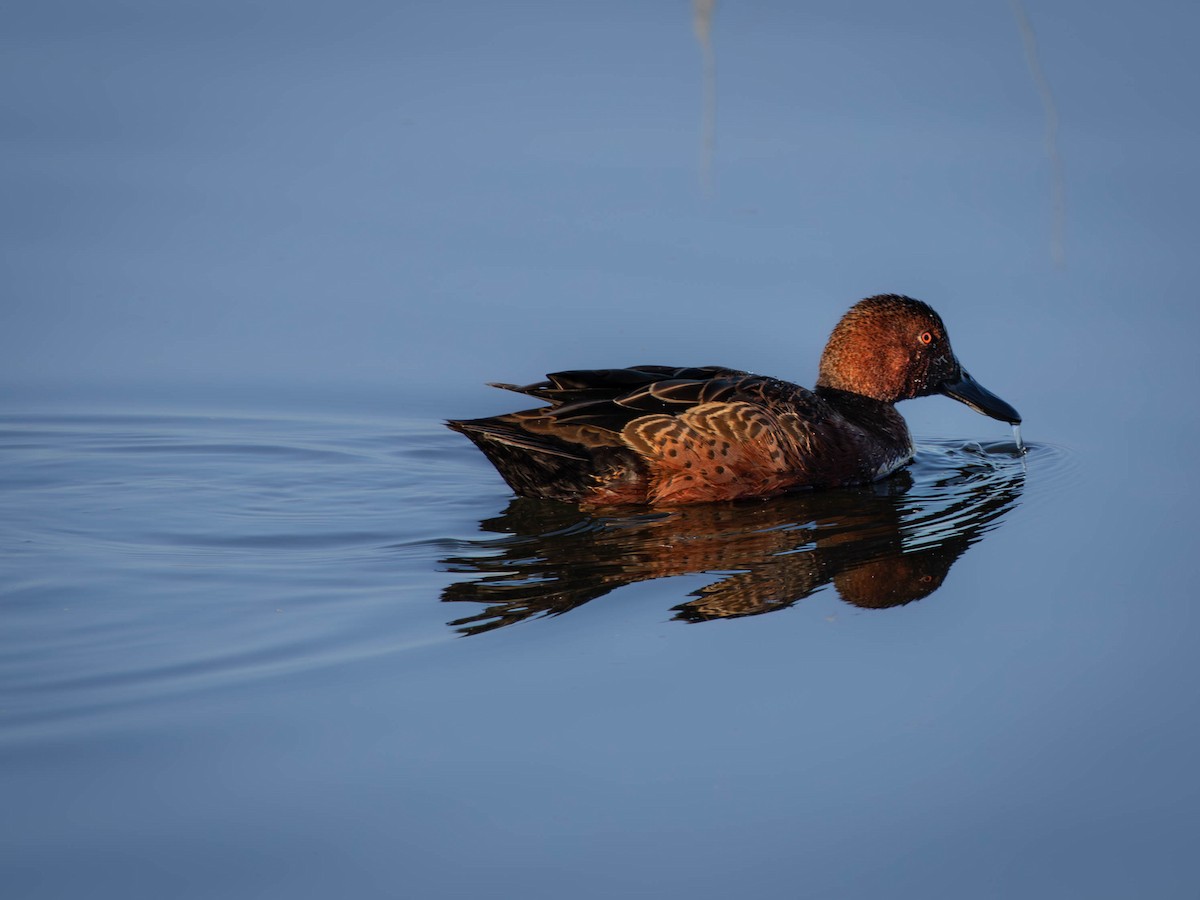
<point x="880" y="546"/>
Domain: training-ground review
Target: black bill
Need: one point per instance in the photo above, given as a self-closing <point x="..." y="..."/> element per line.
<point x="969" y="391"/>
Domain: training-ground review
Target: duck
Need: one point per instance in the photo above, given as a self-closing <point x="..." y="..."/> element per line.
<point x="662" y="436"/>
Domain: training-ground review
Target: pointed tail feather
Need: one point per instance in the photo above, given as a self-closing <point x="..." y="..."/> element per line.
<point x="533" y="465"/>
<point x="504" y="432"/>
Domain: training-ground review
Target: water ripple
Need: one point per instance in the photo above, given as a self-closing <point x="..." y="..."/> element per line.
<point x="880" y="545"/>
<point x="146" y="556"/>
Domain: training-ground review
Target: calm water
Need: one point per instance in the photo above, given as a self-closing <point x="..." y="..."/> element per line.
<point x="268" y="630"/>
<point x="234" y="664"/>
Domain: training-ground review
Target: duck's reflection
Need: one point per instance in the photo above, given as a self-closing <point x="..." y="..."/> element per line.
<point x="882" y="545"/>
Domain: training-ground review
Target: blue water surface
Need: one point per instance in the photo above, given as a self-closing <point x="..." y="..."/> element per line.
<point x="268" y="629"/>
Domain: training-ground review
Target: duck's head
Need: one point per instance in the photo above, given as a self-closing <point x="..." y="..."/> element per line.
<point x="893" y="348"/>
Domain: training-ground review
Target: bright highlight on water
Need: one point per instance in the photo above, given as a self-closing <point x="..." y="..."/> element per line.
<point x="1017" y="437"/>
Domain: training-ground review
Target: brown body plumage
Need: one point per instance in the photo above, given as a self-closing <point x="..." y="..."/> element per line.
<point x="666" y="436"/>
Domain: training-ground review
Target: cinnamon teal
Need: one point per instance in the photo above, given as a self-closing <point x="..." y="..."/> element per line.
<point x="665" y="436"/>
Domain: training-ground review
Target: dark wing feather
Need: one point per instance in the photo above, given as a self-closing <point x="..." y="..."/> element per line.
<point x="655" y="433"/>
<point x="503" y="430"/>
<point x="610" y="384"/>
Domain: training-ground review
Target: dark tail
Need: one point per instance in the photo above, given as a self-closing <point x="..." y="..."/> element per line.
<point x="533" y="465"/>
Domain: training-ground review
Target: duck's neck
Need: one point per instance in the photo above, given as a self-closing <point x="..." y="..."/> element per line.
<point x="876" y="416"/>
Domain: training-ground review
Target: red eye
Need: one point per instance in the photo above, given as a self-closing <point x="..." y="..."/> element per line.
<point x="926" y="337"/>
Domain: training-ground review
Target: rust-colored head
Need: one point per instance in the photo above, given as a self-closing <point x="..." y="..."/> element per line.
<point x="888" y="348"/>
<point x="891" y="348"/>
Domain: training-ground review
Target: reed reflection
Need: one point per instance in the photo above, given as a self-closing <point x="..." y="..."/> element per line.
<point x="880" y="546"/>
